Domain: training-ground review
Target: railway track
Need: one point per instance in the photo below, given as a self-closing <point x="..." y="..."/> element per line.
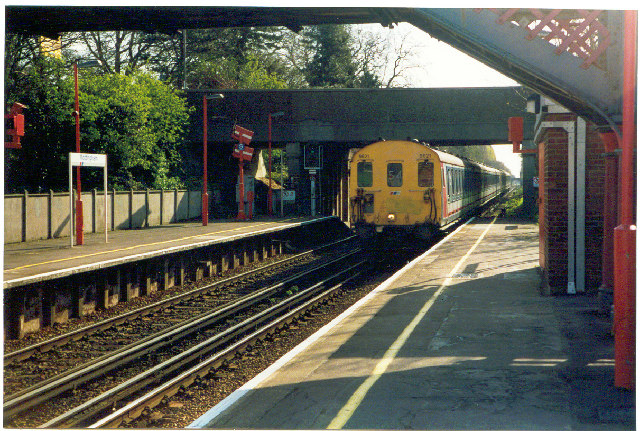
<point x="114" y="389"/>
<point x="19" y="406"/>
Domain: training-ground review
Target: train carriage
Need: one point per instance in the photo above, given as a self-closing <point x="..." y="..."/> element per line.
<point x="409" y="187"/>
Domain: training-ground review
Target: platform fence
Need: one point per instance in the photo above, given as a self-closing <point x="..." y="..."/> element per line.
<point x="29" y="217"/>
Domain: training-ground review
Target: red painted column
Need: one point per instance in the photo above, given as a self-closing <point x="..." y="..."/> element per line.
<point x="241" y="213"/>
<point x="205" y="162"/>
<point x="79" y="210"/>
<point x="625" y="233"/>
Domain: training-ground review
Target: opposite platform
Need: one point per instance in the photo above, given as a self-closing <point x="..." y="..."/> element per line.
<point x="458" y="339"/>
<point x="35" y="261"/>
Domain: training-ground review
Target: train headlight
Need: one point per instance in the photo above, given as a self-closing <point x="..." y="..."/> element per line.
<point x="391" y="217"/>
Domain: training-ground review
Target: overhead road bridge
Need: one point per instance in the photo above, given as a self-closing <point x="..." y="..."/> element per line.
<point x="441" y="116"/>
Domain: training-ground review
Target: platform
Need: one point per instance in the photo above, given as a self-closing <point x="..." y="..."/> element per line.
<point x="459" y="339"/>
<point x="35" y="261"/>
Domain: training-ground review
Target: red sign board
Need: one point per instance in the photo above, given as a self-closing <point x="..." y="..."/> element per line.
<point x="241" y="151"/>
<point x="242" y="135"/>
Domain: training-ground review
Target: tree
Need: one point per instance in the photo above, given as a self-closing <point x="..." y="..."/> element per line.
<point x="333" y="63"/>
<point x="44" y="85"/>
<point x="137" y="120"/>
<point x="478" y="153"/>
<point x="227" y="73"/>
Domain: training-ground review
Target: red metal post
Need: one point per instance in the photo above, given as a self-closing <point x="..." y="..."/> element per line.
<point x="241" y="214"/>
<point x="205" y="189"/>
<point x="76" y="114"/>
<point x="625" y="233"/>
<point x="270" y="192"/>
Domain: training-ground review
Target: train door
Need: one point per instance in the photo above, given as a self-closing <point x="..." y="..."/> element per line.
<point x="445" y="199"/>
<point x="426" y="180"/>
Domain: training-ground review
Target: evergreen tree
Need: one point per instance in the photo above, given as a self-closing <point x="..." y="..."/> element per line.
<point x="332" y="64"/>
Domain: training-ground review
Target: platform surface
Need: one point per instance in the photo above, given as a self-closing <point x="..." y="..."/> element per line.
<point x="460" y="339"/>
<point x="35" y="260"/>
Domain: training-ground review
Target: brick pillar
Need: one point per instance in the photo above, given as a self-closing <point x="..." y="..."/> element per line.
<point x="554" y="197"/>
<point x="555" y="210"/>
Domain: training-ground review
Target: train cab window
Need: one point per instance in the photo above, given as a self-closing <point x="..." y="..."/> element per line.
<point x="425" y="174"/>
<point x="365" y="174"/>
<point x="394" y="174"/>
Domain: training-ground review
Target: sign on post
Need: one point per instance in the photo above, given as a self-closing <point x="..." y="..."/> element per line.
<point x="243" y="152"/>
<point x="94" y="161"/>
<point x="242" y="135"/>
<point x="289" y="195"/>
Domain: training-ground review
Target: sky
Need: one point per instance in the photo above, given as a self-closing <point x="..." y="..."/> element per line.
<point x="436" y="64"/>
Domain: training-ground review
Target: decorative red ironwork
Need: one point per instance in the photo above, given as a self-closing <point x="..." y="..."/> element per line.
<point x="579" y="32"/>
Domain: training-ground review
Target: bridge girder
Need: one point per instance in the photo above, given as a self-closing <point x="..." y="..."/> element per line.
<point x="441" y="116"/>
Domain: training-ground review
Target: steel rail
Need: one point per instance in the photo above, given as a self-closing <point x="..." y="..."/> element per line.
<point x="106" y="400"/>
<point x="60" y="340"/>
<point x="149" y="400"/>
<point x="50" y="388"/>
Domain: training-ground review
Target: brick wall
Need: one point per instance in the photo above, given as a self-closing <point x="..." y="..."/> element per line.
<point x="555" y="209"/>
<point x="553" y="223"/>
<point x="594" y="209"/>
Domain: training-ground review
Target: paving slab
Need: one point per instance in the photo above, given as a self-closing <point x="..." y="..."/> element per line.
<point x="460" y="339"/>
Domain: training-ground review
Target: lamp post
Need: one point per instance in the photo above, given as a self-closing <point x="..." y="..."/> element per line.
<point x="270" y="192"/>
<point x="205" y="156"/>
<point x="76" y="114"/>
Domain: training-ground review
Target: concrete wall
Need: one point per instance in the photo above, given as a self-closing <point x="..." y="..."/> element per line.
<point x="29" y="217"/>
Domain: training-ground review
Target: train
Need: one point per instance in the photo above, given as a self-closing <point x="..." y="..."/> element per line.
<point x="409" y="188"/>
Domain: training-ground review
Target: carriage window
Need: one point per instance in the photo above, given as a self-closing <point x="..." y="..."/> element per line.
<point x="365" y="174"/>
<point x="394" y="174"/>
<point x="425" y="174"/>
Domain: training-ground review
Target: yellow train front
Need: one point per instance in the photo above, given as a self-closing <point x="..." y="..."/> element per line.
<point x="405" y="187"/>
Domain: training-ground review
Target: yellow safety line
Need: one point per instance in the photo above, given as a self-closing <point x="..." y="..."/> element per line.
<point x="136" y="246"/>
<point x="356" y="399"/>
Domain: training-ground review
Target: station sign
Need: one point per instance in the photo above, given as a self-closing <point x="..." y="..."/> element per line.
<point x="242" y="135"/>
<point x="242" y="152"/>
<point x="86" y="159"/>
<point x="289" y="195"/>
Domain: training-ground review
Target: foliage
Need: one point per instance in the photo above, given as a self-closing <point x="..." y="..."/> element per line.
<point x="137" y="120"/>
<point x="478" y="153"/>
<point x="228" y="73"/>
<point x="514" y="205"/>
<point x="47" y="90"/>
<point x="333" y="63"/>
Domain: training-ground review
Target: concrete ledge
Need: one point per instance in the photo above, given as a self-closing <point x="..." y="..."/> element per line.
<point x="8" y="284"/>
